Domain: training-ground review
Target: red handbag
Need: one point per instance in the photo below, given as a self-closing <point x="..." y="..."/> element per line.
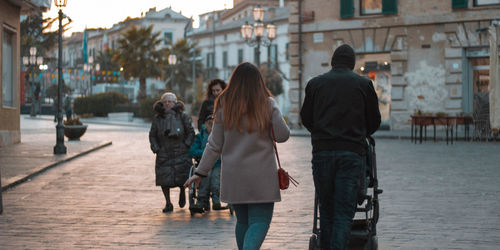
<point x="284" y="178"/>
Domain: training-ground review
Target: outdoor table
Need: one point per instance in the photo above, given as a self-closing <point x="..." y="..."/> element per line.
<point x="422" y="121"/>
<point x="466" y="121"/>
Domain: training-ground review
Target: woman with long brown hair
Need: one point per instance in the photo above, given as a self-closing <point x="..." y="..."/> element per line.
<point x="241" y="135"/>
<point x="214" y="88"/>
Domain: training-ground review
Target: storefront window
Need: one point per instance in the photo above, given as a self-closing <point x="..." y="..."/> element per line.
<point x="8" y="69"/>
<point x="369" y="7"/>
<point x="377" y="67"/>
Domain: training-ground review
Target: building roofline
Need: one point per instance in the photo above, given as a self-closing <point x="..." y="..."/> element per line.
<point x="284" y="15"/>
<point x="29" y="6"/>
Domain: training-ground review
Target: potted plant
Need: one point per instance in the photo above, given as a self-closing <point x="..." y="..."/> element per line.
<point x="74" y="128"/>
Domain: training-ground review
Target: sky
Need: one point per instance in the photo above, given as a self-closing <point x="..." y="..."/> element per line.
<point x="105" y="13"/>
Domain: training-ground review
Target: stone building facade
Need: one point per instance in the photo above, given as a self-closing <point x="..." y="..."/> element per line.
<point x="421" y="55"/>
<point x="10" y="63"/>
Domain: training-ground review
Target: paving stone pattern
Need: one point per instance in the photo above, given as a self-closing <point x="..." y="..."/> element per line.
<point x="435" y="197"/>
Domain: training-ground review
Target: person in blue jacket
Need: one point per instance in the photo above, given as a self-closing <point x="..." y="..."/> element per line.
<point x="209" y="187"/>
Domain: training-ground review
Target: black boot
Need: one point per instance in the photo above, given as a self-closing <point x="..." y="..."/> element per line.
<point x="182" y="198"/>
<point x="168" y="208"/>
<point x="218" y="206"/>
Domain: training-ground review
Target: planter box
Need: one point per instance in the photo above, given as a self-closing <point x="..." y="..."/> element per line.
<point x="74" y="132"/>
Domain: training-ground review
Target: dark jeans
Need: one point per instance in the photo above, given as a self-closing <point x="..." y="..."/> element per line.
<point x="336" y="176"/>
<point x="68" y="114"/>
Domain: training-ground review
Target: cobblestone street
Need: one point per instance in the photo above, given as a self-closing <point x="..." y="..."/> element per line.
<point x="435" y="197"/>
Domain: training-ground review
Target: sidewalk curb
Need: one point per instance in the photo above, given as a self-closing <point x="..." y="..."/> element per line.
<point x="45" y="167"/>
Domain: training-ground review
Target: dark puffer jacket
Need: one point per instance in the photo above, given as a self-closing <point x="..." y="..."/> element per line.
<point x="170" y="136"/>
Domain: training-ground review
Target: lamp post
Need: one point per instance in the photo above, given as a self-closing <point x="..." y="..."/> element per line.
<point x="31" y="62"/>
<point x="194" y="59"/>
<point x="43" y="68"/>
<point x="258" y="31"/>
<point x="172" y="60"/>
<point x="59" y="148"/>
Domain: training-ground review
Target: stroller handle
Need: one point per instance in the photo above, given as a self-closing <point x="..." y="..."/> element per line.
<point x="371" y="140"/>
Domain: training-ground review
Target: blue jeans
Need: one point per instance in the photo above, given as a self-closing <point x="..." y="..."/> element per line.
<point x="252" y="223"/>
<point x="336" y="176"/>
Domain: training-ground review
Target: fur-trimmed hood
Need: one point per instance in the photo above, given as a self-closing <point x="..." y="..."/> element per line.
<point x="160" y="109"/>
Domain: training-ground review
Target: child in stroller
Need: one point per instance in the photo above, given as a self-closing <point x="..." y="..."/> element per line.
<point x="364" y="229"/>
<point x="209" y="186"/>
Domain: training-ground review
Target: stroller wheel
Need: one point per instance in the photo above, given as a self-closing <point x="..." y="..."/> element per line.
<point x="314" y="242"/>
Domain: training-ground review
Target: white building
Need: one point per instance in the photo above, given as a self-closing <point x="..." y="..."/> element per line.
<point x="169" y="24"/>
<point x="223" y="48"/>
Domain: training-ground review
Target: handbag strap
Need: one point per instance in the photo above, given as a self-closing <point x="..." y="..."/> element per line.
<point x="292" y="180"/>
<point x="274" y="142"/>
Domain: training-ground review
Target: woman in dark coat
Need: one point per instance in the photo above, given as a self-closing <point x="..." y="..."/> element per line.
<point x="214" y="88"/>
<point x="170" y="136"/>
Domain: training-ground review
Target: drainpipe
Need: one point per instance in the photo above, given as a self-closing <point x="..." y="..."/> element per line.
<point x="300" y="61"/>
<point x="212" y="69"/>
<point x="494" y="77"/>
<point x="1" y="205"/>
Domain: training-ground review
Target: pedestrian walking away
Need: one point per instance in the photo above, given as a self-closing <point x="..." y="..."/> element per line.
<point x="55" y="107"/>
<point x="170" y="137"/>
<point x="214" y="88"/>
<point x="241" y="136"/>
<point x="68" y="107"/>
<point x="340" y="110"/>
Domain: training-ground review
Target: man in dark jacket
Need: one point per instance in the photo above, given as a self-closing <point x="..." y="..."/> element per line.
<point x="340" y="110"/>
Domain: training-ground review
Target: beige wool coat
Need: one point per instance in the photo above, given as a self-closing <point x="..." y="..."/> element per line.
<point x="249" y="170"/>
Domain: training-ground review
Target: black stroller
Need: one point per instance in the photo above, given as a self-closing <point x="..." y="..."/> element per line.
<point x="193" y="194"/>
<point x="364" y="229"/>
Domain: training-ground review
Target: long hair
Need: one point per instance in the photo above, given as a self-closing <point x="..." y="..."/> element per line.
<point x="246" y="96"/>
<point x="212" y="83"/>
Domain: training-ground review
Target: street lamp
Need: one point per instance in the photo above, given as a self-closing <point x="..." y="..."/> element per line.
<point x="31" y="62"/>
<point x="43" y="68"/>
<point x="59" y="148"/>
<point x="194" y="59"/>
<point x="172" y="60"/>
<point x="258" y="30"/>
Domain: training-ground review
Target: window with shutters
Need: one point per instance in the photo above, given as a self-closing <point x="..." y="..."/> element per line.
<point x="210" y="60"/>
<point x="168" y="37"/>
<point x="224" y="59"/>
<point x="240" y="56"/>
<point x="256" y="54"/>
<point x="459" y="4"/>
<point x="272" y="55"/>
<point x="287" y="51"/>
<point x="346" y="8"/>
<point x="369" y="7"/>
